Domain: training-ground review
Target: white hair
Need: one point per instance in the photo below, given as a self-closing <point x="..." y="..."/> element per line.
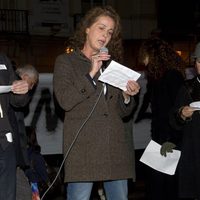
<point x="29" y="70"/>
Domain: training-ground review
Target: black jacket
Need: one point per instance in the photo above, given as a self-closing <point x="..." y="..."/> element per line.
<point x="163" y="97"/>
<point x="7" y="76"/>
<point x="189" y="164"/>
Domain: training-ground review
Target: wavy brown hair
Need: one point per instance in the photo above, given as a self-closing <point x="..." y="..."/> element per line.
<point x="162" y="57"/>
<point x="114" y="45"/>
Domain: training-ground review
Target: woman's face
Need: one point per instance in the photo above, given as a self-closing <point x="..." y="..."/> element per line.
<point x="197" y="64"/>
<point x="99" y="33"/>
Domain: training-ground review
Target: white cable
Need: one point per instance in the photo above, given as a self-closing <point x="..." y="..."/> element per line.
<point x="75" y="138"/>
<point x="1" y="111"/>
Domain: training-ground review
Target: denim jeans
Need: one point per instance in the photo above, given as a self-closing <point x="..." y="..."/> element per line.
<point x="115" y="190"/>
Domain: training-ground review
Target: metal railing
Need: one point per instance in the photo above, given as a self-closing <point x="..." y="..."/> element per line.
<point x="14" y="21"/>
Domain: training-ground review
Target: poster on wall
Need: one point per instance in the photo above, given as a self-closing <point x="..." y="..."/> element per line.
<point x="49" y="17"/>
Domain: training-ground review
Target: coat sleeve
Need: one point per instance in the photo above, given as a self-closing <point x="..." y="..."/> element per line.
<point x="172" y="84"/>
<point x="70" y="89"/>
<point x="183" y="98"/>
<point x="125" y="110"/>
<point x="16" y="100"/>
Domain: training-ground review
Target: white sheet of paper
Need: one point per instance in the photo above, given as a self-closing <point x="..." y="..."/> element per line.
<point x="118" y="75"/>
<point x="155" y="160"/>
<point x="195" y="105"/>
<point x="9" y="137"/>
<point x="5" y="89"/>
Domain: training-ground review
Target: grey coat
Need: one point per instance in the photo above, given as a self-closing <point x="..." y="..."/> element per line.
<point x="102" y="150"/>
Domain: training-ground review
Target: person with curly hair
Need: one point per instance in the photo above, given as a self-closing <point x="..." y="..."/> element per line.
<point x="96" y="147"/>
<point x="166" y="73"/>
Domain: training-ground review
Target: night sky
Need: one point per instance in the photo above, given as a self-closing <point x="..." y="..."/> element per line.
<point x="178" y="16"/>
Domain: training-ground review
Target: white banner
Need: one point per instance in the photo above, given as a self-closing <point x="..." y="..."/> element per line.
<point x="42" y="115"/>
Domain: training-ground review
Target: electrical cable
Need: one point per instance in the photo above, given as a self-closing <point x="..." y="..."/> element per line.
<point x="72" y="144"/>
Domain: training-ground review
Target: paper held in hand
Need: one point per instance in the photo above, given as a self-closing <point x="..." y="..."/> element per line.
<point x="118" y="75"/>
<point x="5" y="89"/>
<point x="155" y="160"/>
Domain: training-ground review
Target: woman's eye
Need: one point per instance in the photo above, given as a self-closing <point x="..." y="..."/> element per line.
<point x="101" y="28"/>
<point x="110" y="33"/>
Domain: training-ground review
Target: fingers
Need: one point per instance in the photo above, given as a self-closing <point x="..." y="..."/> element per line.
<point x="97" y="61"/>
<point x="100" y="57"/>
<point x="163" y="152"/>
<point x="19" y="87"/>
<point x="167" y="147"/>
<point x="187" y="111"/>
<point x="132" y="88"/>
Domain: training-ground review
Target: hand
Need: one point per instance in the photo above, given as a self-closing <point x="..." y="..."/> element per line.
<point x="167" y="147"/>
<point x="19" y="87"/>
<point x="186" y="112"/>
<point x="132" y="88"/>
<point x="97" y="61"/>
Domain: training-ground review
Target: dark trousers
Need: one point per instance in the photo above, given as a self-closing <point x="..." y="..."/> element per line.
<point x="8" y="173"/>
<point x="160" y="186"/>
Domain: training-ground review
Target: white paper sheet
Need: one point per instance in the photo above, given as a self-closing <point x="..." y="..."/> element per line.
<point x="118" y="75"/>
<point x="9" y="137"/>
<point x="195" y="105"/>
<point x="5" y="89"/>
<point x="155" y="160"/>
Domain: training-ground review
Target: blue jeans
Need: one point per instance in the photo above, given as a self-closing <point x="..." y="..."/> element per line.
<point x="115" y="190"/>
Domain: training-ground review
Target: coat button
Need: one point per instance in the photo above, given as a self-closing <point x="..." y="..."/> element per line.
<point x="83" y="91"/>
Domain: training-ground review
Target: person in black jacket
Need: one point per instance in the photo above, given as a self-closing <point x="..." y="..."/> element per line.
<point x="28" y="73"/>
<point x="185" y="116"/>
<point x="165" y="69"/>
<point x="15" y="96"/>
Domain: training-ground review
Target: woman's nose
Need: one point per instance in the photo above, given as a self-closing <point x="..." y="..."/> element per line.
<point x="105" y="34"/>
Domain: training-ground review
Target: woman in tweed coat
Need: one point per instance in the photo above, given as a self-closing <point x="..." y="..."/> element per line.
<point x="102" y="151"/>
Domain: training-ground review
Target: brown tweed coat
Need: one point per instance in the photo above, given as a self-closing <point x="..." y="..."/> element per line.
<point x="102" y="151"/>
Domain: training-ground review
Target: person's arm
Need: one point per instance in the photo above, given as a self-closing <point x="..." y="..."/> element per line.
<point x="126" y="100"/>
<point x="70" y="89"/>
<point x="18" y="96"/>
<point x="172" y="82"/>
<point x="177" y="118"/>
<point x="124" y="109"/>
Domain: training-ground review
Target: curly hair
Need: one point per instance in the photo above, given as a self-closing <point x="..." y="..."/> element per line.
<point x="162" y="57"/>
<point x="115" y="44"/>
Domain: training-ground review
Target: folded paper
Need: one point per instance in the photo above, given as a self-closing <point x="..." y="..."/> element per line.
<point x="5" y="89"/>
<point x="155" y="160"/>
<point x="118" y="75"/>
